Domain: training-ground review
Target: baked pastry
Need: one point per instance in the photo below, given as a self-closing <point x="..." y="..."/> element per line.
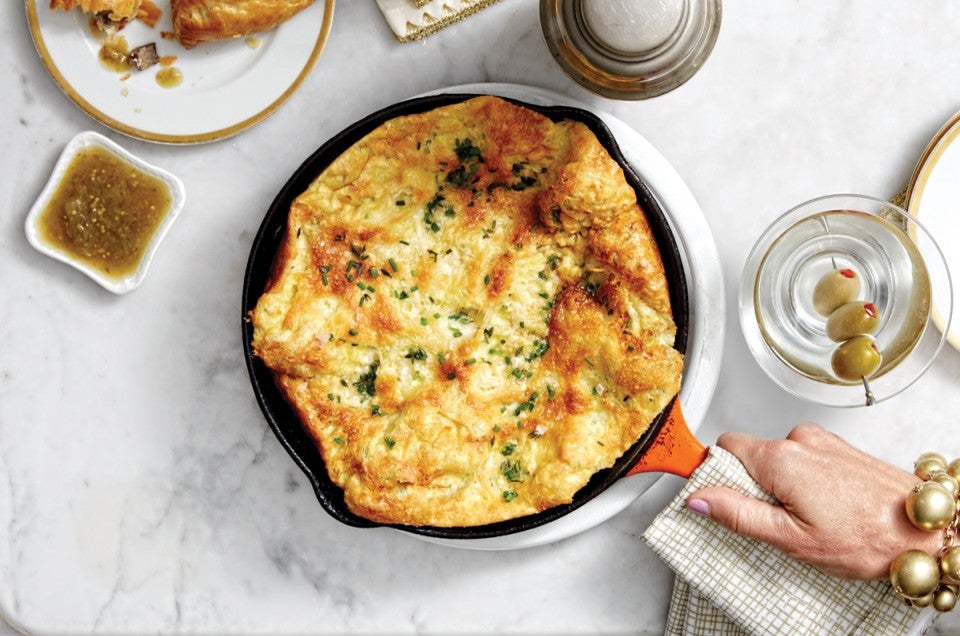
<point x="199" y="21"/>
<point x="115" y="11"/>
<point x="469" y="313"/>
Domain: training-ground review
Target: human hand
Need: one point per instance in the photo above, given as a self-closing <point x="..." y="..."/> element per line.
<point x="842" y="509"/>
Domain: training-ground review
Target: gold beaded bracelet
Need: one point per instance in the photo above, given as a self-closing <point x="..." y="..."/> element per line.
<point x="918" y="578"/>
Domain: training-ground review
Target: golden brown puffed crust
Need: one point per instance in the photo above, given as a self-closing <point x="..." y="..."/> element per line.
<point x="116" y="10"/>
<point x="199" y="21"/>
<point x="470" y="315"/>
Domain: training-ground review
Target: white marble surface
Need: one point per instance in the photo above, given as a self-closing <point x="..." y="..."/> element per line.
<point x="140" y="488"/>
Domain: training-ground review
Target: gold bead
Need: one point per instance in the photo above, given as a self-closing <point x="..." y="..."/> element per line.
<point x="945" y="598"/>
<point x="935" y="457"/>
<point x="948" y="481"/>
<point x="923" y="601"/>
<point x="954" y="468"/>
<point x="950" y="564"/>
<point x="927" y="468"/>
<point x="930" y="506"/>
<point x="914" y="574"/>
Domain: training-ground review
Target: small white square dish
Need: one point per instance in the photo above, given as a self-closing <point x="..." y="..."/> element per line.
<point x="104" y="211"/>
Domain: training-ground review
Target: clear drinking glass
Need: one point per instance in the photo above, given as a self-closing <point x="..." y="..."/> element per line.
<point x="902" y="273"/>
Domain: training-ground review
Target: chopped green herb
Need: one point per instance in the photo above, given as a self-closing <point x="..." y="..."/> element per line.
<point x="527" y="405"/>
<point x="393" y="264"/>
<point x="470" y="160"/>
<point x="512" y="470"/>
<point x="416" y="354"/>
<point x="434" y="204"/>
<point x="509" y="495"/>
<point x="366" y="384"/>
<point x="508" y="448"/>
<point x="338" y="440"/>
<point x="466" y="150"/>
<point x="461" y="316"/>
<point x="389" y="441"/>
<point x="539" y="348"/>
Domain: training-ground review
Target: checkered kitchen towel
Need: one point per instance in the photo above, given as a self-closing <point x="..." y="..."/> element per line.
<point x="729" y="585"/>
<point x="415" y="19"/>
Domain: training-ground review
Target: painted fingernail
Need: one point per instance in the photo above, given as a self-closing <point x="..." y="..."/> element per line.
<point x="699" y="506"/>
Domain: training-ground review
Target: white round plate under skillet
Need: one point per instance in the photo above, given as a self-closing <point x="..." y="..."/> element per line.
<point x="227" y="86"/>
<point x="932" y="198"/>
<point x="707" y="313"/>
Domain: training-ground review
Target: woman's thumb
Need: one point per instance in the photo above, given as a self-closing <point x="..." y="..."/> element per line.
<point x="743" y="515"/>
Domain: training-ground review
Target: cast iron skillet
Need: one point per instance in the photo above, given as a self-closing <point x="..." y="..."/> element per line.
<point x="285" y="424"/>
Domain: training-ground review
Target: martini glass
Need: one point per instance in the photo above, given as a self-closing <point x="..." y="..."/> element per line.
<point x="902" y="272"/>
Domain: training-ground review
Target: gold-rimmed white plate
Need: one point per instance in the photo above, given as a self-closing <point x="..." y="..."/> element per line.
<point x="226" y="87"/>
<point x="933" y="198"/>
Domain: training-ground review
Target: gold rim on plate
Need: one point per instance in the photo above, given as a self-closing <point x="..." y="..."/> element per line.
<point x="139" y="133"/>
<point x="929" y="158"/>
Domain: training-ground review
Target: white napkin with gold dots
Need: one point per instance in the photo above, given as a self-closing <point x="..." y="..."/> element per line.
<point x="731" y="586"/>
<point x="415" y="19"/>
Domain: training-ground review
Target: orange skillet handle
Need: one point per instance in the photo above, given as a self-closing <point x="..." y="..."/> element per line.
<point x="674" y="450"/>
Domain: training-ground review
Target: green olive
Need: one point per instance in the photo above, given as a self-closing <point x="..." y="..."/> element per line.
<point x="835" y="288"/>
<point x="856" y="358"/>
<point x="852" y="319"/>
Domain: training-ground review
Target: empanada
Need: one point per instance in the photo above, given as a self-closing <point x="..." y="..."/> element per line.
<point x="116" y="11"/>
<point x="199" y="21"/>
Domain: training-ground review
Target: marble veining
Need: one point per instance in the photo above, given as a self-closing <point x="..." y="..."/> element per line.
<point x="141" y="490"/>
